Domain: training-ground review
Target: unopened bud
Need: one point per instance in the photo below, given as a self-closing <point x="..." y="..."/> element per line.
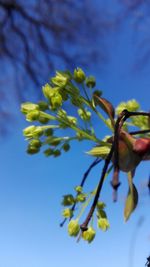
<point x="79" y="75"/>
<point x="90" y="81"/>
<point x="89" y="234"/>
<point x="68" y="200"/>
<point x="67" y="213"/>
<point x="103" y="224"/>
<point x="33" y="115"/>
<point x="73" y="228"/>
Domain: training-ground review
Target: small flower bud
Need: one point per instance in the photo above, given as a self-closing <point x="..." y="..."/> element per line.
<point x="43" y="120"/>
<point x="97" y="93"/>
<point x="42" y="105"/>
<point x="79" y="75"/>
<point x="56" y="101"/>
<point x="60" y="79"/>
<point x="48" y="152"/>
<point x="28" y="131"/>
<point x="78" y="189"/>
<point x="36" y="143"/>
<point x="48" y="132"/>
<point x="89" y="235"/>
<point x="73" y="228"/>
<point x="32" y="150"/>
<point x="72" y="120"/>
<point x="66" y="147"/>
<point x="33" y="115"/>
<point x="48" y="91"/>
<point x="56" y="153"/>
<point x="68" y="200"/>
<point x="81" y="197"/>
<point x="90" y="82"/>
<point x="28" y="107"/>
<point x="67" y="213"/>
<point x="101" y="205"/>
<point x="103" y="224"/>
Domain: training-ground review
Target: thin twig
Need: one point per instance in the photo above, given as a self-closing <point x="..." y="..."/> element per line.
<point x="94" y="163"/>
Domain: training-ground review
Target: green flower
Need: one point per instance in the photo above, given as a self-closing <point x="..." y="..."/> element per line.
<point x="89" y="235"/>
<point x="48" y="91"/>
<point x="72" y="120"/>
<point x="131" y="105"/>
<point x="66" y="147"/>
<point x="79" y="75"/>
<point x="101" y="205"/>
<point x="33" y="131"/>
<point x="28" y="107"/>
<point x="33" y="115"/>
<point x="84" y="114"/>
<point x="103" y="224"/>
<point x="68" y="200"/>
<point x="48" y="152"/>
<point x="56" y="101"/>
<point x="60" y="79"/>
<point x="32" y="150"/>
<point x="35" y="142"/>
<point x="67" y="213"/>
<point x="57" y="153"/>
<point x="42" y="105"/>
<point x="81" y="197"/>
<point x="73" y="228"/>
<point x="90" y="81"/>
<point x="78" y="189"/>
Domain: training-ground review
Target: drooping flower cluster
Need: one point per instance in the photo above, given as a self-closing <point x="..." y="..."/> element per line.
<point x="68" y="113"/>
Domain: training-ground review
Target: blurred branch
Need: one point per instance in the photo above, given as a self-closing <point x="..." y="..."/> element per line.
<point x="37" y="36"/>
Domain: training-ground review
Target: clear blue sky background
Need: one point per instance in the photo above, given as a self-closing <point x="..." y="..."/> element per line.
<point x="31" y="189"/>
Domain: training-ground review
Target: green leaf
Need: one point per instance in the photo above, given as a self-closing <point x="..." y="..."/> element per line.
<point x="131" y="200"/>
<point x="99" y="151"/>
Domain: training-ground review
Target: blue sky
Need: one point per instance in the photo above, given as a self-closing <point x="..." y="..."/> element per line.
<point x="32" y="187"/>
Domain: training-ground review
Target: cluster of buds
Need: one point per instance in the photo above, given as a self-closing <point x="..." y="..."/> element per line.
<point x="123" y="150"/>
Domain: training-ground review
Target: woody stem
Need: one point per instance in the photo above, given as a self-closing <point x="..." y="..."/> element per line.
<point x="84" y="225"/>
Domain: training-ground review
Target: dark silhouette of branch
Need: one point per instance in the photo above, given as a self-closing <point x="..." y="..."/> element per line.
<point x="38" y="36"/>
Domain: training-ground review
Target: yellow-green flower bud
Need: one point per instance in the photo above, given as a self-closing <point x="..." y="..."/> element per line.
<point x="60" y="79"/>
<point x="89" y="235"/>
<point x="48" y="152"/>
<point x="68" y="200"/>
<point x="32" y="150"/>
<point x="90" y="81"/>
<point x="84" y="114"/>
<point x="78" y="189"/>
<point x="33" y="115"/>
<point x="57" y="153"/>
<point x="56" y="101"/>
<point x="103" y="224"/>
<point x="28" y="107"/>
<point x="66" y="147"/>
<point x="72" y="120"/>
<point x="79" y="75"/>
<point x="48" y="132"/>
<point x="67" y="213"/>
<point x="28" y="131"/>
<point x="101" y="205"/>
<point x="97" y="93"/>
<point x="48" y="91"/>
<point x="73" y="228"/>
<point x="42" y="105"/>
<point x="101" y="213"/>
<point x="81" y="197"/>
<point x="35" y="143"/>
<point x="43" y="120"/>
